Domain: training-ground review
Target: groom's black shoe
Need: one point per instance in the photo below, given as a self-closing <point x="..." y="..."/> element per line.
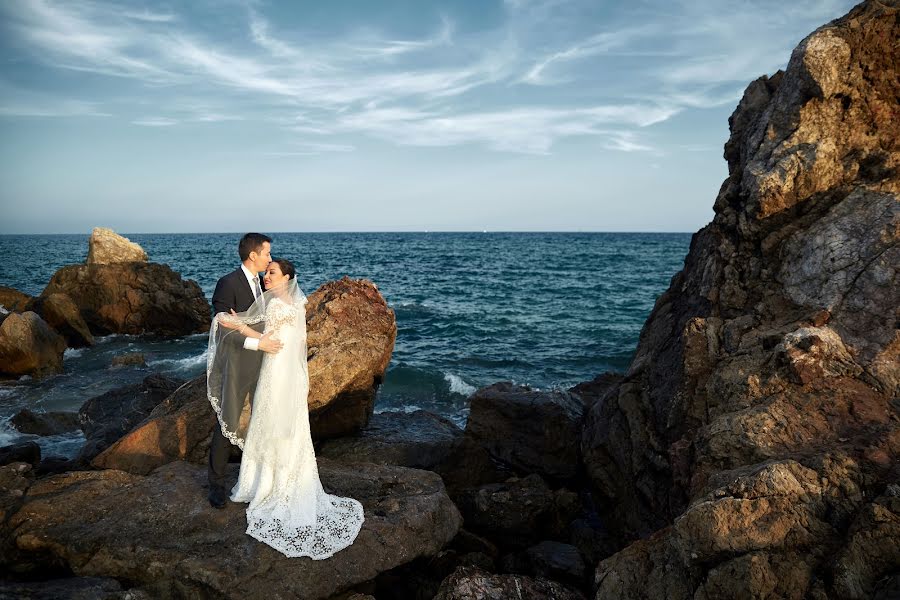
<point x="217" y="496"/>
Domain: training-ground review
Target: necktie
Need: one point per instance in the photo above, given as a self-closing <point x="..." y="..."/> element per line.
<point x="256" y="289"/>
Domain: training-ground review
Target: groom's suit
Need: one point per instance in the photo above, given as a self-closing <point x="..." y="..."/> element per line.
<point x="233" y="291"/>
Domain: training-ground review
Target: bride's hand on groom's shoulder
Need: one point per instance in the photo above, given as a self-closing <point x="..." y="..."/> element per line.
<point x="269" y="344"/>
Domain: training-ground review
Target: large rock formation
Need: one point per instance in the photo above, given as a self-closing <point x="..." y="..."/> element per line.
<point x="108" y="247"/>
<point x="61" y="313"/>
<point x="134" y="298"/>
<point x="28" y="346"/>
<point x="159" y="532"/>
<point x="12" y="300"/>
<point x="759" y="414"/>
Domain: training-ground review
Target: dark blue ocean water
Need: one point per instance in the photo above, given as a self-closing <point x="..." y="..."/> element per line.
<point x="544" y="309"/>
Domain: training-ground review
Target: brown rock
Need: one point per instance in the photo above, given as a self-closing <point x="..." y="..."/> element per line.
<point x="350" y="337"/>
<point x="13" y="300"/>
<point x="61" y="313"/>
<point x="759" y="414"/>
<point x="133" y="298"/>
<point x="132" y="359"/>
<point x="97" y="523"/>
<point x="107" y="247"/>
<point x="29" y="347"/>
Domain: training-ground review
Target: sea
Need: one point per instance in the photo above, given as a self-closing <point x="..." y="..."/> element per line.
<point x="546" y="310"/>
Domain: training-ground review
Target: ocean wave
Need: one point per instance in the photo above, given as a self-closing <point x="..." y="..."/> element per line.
<point x="407" y="408"/>
<point x="181" y="364"/>
<point x="72" y="353"/>
<point x="458" y="385"/>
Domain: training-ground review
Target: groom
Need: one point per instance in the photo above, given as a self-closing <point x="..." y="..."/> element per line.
<point x="237" y="292"/>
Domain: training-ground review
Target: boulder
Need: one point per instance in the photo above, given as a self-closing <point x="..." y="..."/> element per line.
<point x="557" y="561"/>
<point x="350" y="338"/>
<point x="12" y="300"/>
<point x="134" y="298"/>
<point x="534" y="432"/>
<point x="419" y="439"/>
<point x="28" y="452"/>
<point x="29" y="347"/>
<point x="181" y="427"/>
<point x="158" y="532"/>
<point x="44" y="423"/>
<point x="61" y="313"/>
<point x="107" y="417"/>
<point x="107" y="247"/>
<point x="473" y="583"/>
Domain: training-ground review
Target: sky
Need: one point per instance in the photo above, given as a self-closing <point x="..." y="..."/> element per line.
<point x="516" y="115"/>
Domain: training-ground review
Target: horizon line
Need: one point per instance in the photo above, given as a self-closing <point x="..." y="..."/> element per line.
<point x="123" y="233"/>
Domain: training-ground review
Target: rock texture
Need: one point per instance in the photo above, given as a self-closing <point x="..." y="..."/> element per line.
<point x="61" y="313"/>
<point x="532" y="431"/>
<point x="133" y="298"/>
<point x="108" y="247"/>
<point x="757" y="427"/>
<point x="350" y="337"/>
<point x="106" y="418"/>
<point x="28" y="346"/>
<point x="12" y="300"/>
<point x="96" y="524"/>
<point x="44" y="423"/>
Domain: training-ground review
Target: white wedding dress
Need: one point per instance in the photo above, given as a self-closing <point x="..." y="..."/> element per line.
<point x="289" y="510"/>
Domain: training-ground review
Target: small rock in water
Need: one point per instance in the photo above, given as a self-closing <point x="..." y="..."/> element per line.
<point x="48" y="423"/>
<point x="131" y="359"/>
<point x="107" y="247"/>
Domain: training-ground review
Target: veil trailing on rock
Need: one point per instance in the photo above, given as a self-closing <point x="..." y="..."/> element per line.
<point x="232" y="371"/>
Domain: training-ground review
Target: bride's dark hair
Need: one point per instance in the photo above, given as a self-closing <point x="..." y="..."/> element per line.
<point x="286" y="266"/>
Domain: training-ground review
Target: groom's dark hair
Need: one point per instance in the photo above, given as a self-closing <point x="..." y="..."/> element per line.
<point x="251" y="242"/>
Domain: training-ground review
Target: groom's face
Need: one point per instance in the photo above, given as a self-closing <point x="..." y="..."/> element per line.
<point x="262" y="257"/>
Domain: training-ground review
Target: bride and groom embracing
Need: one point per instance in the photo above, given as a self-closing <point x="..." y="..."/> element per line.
<point x="257" y="383"/>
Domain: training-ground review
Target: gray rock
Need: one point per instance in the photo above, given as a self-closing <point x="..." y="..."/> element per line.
<point x="472" y="583"/>
<point x="44" y="423"/>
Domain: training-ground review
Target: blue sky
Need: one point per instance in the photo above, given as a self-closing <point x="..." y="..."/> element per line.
<point x="377" y="116"/>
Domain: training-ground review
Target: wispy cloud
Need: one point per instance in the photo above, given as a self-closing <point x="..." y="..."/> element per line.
<point x="520" y="85"/>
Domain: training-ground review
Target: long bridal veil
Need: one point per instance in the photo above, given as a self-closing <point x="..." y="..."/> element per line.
<point x="232" y="372"/>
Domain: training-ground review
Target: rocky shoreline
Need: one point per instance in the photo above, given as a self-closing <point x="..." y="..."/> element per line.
<point x="751" y="450"/>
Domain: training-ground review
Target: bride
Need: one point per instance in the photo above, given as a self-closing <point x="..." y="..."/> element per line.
<point x="288" y="508"/>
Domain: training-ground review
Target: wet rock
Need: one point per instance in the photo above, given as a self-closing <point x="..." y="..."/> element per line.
<point x="132" y="359"/>
<point x="106" y="418"/>
<point x="557" y="561"/>
<point x="61" y="313"/>
<point x="534" y="432"/>
<point x="472" y="583"/>
<point x="44" y="423"/>
<point x="96" y="523"/>
<point x="134" y="298"/>
<point x="105" y="247"/>
<point x="28" y="346"/>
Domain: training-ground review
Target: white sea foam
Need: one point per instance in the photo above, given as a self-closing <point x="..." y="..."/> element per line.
<point x="458" y="386"/>
<point x="3" y="310"/>
<point x="72" y="353"/>
<point x="180" y="364"/>
<point x="8" y="433"/>
<point x="409" y="408"/>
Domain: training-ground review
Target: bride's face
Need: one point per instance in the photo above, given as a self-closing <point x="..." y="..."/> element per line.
<point x="274" y="277"/>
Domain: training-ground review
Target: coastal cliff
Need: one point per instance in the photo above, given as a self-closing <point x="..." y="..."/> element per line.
<point x="758" y="426"/>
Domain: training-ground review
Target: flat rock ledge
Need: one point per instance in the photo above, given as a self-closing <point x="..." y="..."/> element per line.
<point x="159" y="533"/>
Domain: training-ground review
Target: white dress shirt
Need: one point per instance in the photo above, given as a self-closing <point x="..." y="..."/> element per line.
<point x="251" y="343"/>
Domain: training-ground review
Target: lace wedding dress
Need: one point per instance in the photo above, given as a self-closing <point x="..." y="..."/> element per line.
<point x="288" y="508"/>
